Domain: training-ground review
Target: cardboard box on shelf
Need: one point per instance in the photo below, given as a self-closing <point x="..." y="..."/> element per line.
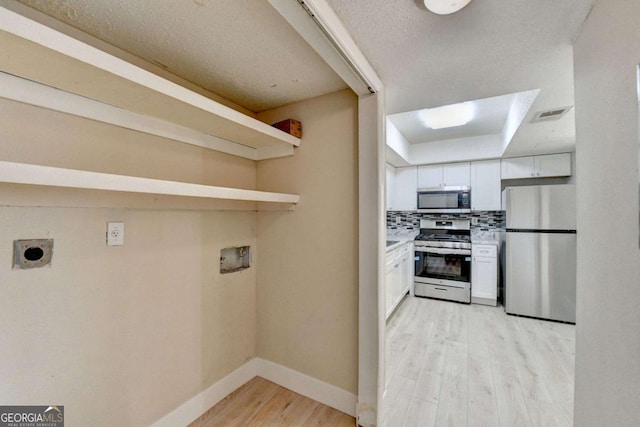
<point x="290" y="126"/>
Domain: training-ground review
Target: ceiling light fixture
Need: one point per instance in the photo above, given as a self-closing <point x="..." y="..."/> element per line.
<point x="448" y="116"/>
<point x="445" y="7"/>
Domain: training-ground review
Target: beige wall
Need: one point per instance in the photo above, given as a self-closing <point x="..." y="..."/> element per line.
<point x="36" y="135"/>
<point x="120" y="335"/>
<point x="308" y="274"/>
<point x="606" y="54"/>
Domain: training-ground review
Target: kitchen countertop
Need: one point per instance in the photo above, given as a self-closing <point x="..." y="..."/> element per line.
<point x="485" y="242"/>
<point x="394" y="244"/>
<point x="397" y="239"/>
<point x="482" y="237"/>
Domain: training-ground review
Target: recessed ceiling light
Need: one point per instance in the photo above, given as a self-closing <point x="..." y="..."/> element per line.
<point x="448" y="116"/>
<point x="445" y="7"/>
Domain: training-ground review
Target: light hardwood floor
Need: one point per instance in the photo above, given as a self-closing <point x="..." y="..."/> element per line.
<point x="263" y="403"/>
<point x="471" y="365"/>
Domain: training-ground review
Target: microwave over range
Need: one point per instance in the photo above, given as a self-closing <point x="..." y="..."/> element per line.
<point x="444" y="200"/>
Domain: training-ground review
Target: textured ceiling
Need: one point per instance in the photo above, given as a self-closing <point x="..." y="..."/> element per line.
<point x="489" y="48"/>
<point x="242" y="49"/>
<point x="428" y="60"/>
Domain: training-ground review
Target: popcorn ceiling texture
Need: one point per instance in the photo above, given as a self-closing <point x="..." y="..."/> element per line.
<point x="242" y="50"/>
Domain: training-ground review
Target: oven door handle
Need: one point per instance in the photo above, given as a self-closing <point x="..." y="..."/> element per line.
<point x="443" y="251"/>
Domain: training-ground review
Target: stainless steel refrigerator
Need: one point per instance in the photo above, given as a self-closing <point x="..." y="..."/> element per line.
<point x="540" y="252"/>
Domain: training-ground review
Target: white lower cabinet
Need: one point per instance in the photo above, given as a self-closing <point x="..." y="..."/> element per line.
<point x="484" y="274"/>
<point x="399" y="275"/>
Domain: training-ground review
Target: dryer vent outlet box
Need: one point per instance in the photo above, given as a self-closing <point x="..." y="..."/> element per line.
<point x="235" y="259"/>
<point x="32" y="253"/>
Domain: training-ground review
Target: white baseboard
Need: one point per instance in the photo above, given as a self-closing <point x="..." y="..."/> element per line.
<point x="189" y="411"/>
<point x="298" y="382"/>
<point x="310" y="387"/>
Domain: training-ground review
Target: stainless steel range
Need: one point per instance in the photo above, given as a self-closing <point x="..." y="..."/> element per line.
<point x="443" y="260"/>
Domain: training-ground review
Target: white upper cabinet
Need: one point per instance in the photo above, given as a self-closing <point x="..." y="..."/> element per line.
<point x="389" y="190"/>
<point x="430" y="176"/>
<point x="456" y="174"/>
<point x="448" y="175"/>
<point x="405" y="189"/>
<point x="485" y="185"/>
<point x="518" y="167"/>
<point x="550" y="165"/>
<point x="553" y="165"/>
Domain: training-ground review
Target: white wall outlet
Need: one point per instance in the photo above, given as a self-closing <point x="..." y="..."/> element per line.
<point x="474" y="220"/>
<point x="115" y="233"/>
<point x="398" y="220"/>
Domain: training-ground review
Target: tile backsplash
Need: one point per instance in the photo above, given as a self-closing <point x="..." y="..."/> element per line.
<point x="410" y="221"/>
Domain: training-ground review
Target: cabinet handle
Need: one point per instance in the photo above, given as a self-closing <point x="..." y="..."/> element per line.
<point x="440" y="289"/>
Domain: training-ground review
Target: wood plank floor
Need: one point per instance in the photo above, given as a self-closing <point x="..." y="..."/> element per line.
<point x="263" y="403"/>
<point x="471" y="365"/>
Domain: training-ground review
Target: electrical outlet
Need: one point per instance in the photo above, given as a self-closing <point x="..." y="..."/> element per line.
<point x="474" y="220"/>
<point x="115" y="233"/>
<point x="398" y="220"/>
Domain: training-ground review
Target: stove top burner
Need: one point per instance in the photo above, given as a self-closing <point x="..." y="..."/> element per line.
<point x="438" y="238"/>
<point x="444" y="237"/>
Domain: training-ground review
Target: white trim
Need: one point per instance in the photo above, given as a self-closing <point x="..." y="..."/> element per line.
<point x="346" y="60"/>
<point x="22" y="173"/>
<point x="201" y="403"/>
<point x="330" y="21"/>
<point x="300" y="383"/>
<point x="310" y="387"/>
<point x="371" y="277"/>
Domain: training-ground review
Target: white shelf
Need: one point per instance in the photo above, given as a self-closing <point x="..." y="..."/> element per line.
<point x="61" y="66"/>
<point x="21" y="173"/>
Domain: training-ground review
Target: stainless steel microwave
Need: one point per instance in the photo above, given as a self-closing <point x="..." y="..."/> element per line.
<point x="444" y="200"/>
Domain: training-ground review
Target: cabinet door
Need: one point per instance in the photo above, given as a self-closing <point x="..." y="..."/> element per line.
<point x="553" y="165"/>
<point x="393" y="284"/>
<point x="390" y="182"/>
<point x="388" y="293"/>
<point x="518" y="167"/>
<point x="430" y="176"/>
<point x="390" y="280"/>
<point x="407" y="272"/>
<point x="485" y="186"/>
<point x="399" y="285"/>
<point x="456" y="175"/>
<point x="405" y="189"/>
<point x="484" y="278"/>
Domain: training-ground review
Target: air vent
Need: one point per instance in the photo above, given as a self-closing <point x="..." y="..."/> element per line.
<point x="554" y="114"/>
